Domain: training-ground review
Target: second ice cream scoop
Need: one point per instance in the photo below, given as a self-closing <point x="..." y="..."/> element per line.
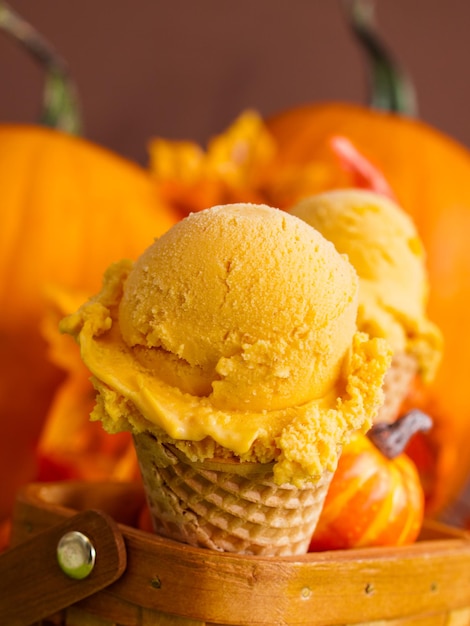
<point x="382" y="243"/>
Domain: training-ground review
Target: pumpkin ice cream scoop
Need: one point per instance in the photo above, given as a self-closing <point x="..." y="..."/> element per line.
<point x="230" y="350"/>
<point x="382" y="243"/>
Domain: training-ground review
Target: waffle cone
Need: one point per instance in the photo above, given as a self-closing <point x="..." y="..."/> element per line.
<point x="226" y="505"/>
<point x="397" y="385"/>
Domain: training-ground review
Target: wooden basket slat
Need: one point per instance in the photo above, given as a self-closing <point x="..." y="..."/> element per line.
<point x="167" y="583"/>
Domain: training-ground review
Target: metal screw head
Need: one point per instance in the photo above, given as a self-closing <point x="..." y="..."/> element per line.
<point x="76" y="555"/>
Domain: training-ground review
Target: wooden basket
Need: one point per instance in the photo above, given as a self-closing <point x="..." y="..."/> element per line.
<point x="140" y="579"/>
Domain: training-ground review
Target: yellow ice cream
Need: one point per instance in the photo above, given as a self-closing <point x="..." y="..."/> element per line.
<point x="382" y="243"/>
<point x="234" y="335"/>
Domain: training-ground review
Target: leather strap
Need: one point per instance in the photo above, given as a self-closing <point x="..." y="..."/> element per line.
<point x="32" y="583"/>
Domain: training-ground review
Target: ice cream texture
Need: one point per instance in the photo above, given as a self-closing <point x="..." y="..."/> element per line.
<point x="234" y="336"/>
<point x="382" y="243"/>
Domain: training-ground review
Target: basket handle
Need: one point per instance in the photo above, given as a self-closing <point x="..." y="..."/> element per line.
<point x="60" y="566"/>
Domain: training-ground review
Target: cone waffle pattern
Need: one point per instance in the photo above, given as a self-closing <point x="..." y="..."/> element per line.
<point x="397" y="385"/>
<point x="234" y="510"/>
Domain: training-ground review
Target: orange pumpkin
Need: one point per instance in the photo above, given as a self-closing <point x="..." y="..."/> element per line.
<point x="372" y="500"/>
<point x="69" y="208"/>
<point x="429" y="174"/>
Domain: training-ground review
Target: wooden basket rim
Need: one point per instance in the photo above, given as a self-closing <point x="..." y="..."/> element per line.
<point x="430" y="576"/>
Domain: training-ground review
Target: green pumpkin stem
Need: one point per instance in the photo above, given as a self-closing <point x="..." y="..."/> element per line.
<point x="392" y="439"/>
<point x="391" y="88"/>
<point x="60" y="108"/>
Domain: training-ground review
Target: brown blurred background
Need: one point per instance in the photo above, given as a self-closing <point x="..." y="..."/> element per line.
<point x="187" y="68"/>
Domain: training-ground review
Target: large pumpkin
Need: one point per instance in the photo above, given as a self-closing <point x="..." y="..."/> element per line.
<point x="429" y="174"/>
<point x="68" y="209"/>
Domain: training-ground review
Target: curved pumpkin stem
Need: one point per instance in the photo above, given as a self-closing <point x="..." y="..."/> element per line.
<point x="391" y="88"/>
<point x="392" y="439"/>
<point x="60" y="107"/>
